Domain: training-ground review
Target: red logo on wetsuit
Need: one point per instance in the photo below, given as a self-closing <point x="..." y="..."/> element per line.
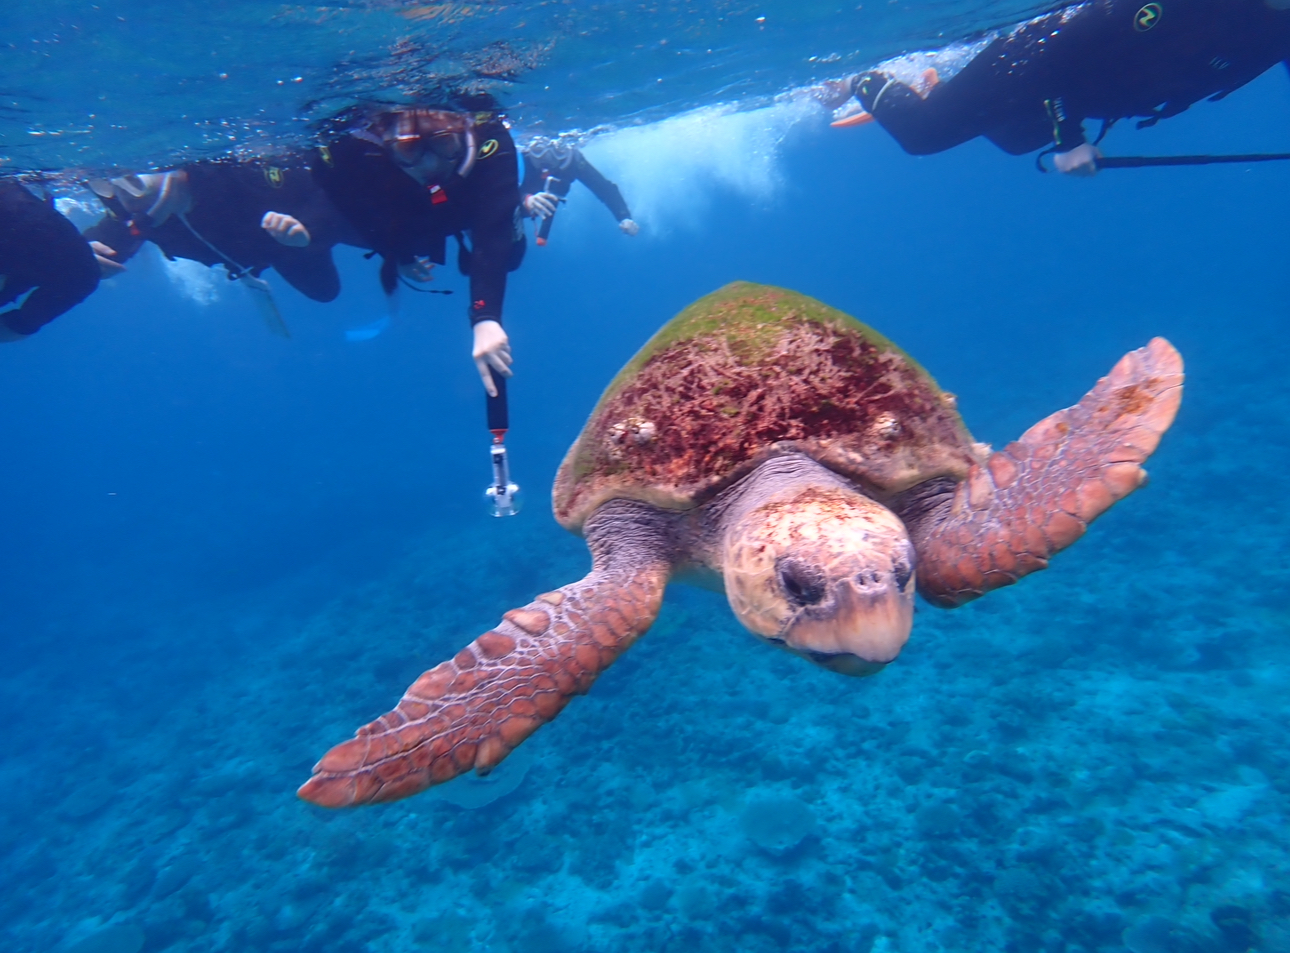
<point x="437" y="195"/>
<point x="481" y="304"/>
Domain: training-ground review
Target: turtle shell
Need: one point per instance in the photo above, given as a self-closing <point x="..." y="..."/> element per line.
<point x="748" y="372"/>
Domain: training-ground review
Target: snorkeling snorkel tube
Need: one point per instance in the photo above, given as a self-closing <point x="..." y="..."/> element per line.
<point x="502" y="495"/>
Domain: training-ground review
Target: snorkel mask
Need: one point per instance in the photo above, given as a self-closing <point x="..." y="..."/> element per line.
<point x="429" y="144"/>
<point x="554" y="153"/>
<point x="150" y="198"/>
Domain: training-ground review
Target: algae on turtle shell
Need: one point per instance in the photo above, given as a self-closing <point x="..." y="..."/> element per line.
<point x="745" y="313"/>
<point x="748" y="372"/>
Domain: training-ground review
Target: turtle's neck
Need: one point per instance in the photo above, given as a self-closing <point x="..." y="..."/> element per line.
<point x="701" y="531"/>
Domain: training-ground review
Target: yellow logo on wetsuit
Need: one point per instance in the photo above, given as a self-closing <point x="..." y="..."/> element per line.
<point x="1147" y="17"/>
<point x="488" y="148"/>
<point x="326" y="156"/>
<point x="273" y="175"/>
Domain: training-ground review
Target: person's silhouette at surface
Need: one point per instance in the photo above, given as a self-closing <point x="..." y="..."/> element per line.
<point x="46" y="267"/>
<point x="1033" y="86"/>
<point x="247" y="216"/>
<point x="411" y="178"/>
<point x="551" y="166"/>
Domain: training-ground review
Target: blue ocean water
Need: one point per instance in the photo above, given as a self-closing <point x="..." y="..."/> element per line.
<point x="223" y="551"/>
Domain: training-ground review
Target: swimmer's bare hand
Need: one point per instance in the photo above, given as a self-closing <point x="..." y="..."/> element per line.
<point x="285" y="229"/>
<point x="104" y="254"/>
<point x="492" y="352"/>
<point x="629" y="227"/>
<point x="1080" y="161"/>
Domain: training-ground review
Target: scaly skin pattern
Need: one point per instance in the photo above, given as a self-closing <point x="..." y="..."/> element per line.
<point x="470" y="712"/>
<point x="752" y="371"/>
<point x="1037" y="496"/>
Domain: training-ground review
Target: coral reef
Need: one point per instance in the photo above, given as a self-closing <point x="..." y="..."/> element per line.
<point x="1094" y="761"/>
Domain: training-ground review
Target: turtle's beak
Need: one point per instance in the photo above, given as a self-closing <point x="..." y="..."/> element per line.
<point x="857" y="627"/>
<point x="827" y="574"/>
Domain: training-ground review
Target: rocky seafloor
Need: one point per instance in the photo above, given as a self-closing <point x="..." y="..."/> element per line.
<point x="1094" y="760"/>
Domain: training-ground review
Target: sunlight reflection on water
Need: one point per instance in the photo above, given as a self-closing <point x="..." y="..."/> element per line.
<point x="94" y="87"/>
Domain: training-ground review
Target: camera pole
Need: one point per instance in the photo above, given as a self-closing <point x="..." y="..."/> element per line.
<point x="501" y="493"/>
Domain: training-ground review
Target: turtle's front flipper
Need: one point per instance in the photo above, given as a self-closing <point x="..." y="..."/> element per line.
<point x="473" y="710"/>
<point x="1038" y="495"/>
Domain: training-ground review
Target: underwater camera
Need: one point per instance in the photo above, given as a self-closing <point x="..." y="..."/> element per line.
<point x="502" y="496"/>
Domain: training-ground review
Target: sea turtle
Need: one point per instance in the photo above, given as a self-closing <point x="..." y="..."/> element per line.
<point x="766" y="444"/>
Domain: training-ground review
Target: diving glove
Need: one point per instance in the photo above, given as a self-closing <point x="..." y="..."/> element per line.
<point x="541" y="204"/>
<point x="492" y="352"/>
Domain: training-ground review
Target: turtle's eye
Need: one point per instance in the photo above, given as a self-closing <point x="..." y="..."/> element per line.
<point x="802" y="583"/>
<point x="903" y="572"/>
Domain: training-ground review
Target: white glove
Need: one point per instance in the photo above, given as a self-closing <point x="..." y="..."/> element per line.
<point x="629" y="227"/>
<point x="1081" y="161"/>
<point x="104" y="255"/>
<point x="419" y="270"/>
<point x="541" y="205"/>
<point x="492" y="349"/>
<point x="285" y="229"/>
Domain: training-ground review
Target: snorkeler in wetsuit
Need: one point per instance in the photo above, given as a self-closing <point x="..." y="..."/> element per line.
<point x="246" y="216"/>
<point x="1032" y="86"/>
<point x="46" y="267"/>
<point x="410" y="179"/>
<point x="560" y="164"/>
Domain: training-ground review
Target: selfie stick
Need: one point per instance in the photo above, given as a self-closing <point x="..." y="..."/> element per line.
<point x="544" y="229"/>
<point x="502" y="494"/>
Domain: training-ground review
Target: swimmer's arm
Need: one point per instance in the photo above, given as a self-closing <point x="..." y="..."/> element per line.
<point x="602" y="188"/>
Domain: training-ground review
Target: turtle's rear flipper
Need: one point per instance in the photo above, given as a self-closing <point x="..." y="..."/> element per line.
<point x="472" y="711"/>
<point x="1037" y="496"/>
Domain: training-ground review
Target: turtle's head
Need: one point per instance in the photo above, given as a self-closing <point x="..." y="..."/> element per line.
<point x="825" y="572"/>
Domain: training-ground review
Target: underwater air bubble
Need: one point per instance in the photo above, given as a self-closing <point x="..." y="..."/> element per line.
<point x="368" y="331"/>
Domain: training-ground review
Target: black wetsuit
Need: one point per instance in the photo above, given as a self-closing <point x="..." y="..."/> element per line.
<point x="567" y="164"/>
<point x="42" y="256"/>
<point x="228" y="202"/>
<point x="401" y="219"/>
<point x="1106" y="59"/>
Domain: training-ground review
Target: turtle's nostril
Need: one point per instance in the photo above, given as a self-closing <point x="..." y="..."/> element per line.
<point x="802" y="583"/>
